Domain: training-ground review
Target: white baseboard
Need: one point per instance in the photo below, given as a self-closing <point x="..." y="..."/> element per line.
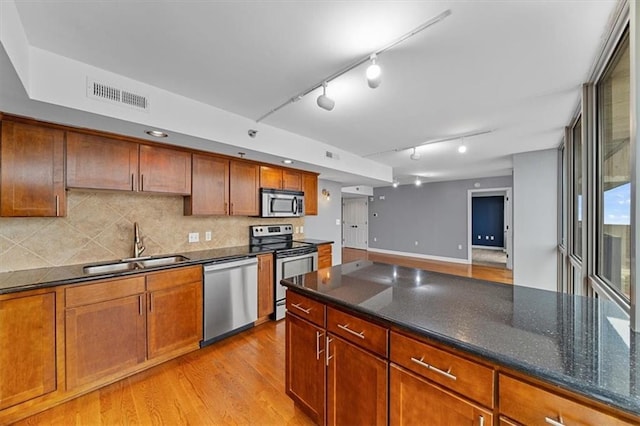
<point x="421" y="256"/>
<point x="488" y="247"/>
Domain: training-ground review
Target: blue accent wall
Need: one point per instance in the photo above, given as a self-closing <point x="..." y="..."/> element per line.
<point x="487" y="221"/>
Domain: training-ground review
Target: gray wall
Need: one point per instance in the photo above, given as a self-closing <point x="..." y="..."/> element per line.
<point x="535" y="215"/>
<point x="324" y="226"/>
<point x="434" y="214"/>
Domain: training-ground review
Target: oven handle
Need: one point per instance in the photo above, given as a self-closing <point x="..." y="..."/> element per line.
<point x="296" y="256"/>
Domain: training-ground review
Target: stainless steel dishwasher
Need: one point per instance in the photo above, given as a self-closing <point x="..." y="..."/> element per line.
<point x="230" y="297"/>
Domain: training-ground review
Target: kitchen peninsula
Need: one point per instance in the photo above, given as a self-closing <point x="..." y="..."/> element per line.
<point x="382" y="343"/>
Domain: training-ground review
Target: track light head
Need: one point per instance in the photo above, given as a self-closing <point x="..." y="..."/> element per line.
<point x="395" y="183"/>
<point x="418" y="182"/>
<point x="374" y="73"/>
<point x="462" y="148"/>
<point x="324" y="101"/>
<point x="414" y="156"/>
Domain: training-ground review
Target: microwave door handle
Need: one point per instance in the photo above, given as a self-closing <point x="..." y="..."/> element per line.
<point x="295" y="205"/>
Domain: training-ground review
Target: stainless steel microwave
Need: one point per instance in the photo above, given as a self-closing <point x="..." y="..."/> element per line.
<point x="281" y="203"/>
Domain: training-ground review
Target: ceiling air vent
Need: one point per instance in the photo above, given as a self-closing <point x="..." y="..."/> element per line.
<point x="332" y="155"/>
<point x="115" y="95"/>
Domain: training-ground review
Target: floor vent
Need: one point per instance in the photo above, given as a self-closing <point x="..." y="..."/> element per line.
<point x="115" y="95"/>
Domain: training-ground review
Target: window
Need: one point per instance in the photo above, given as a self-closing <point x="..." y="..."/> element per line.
<point x="614" y="173"/>
<point x="577" y="188"/>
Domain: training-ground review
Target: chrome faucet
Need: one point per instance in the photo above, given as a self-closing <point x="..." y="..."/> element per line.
<point x="138" y="248"/>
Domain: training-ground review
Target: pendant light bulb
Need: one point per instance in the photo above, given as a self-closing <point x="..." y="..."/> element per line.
<point x="374" y="73"/>
<point x="324" y="101"/>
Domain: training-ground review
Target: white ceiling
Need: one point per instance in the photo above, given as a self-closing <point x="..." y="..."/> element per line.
<point x="513" y="67"/>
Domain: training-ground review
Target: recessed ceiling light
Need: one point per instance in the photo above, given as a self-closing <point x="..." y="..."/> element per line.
<point x="157" y="133"/>
<point x="287" y="161"/>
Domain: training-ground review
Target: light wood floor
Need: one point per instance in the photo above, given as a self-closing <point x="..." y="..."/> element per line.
<point x="480" y="272"/>
<point x="239" y="380"/>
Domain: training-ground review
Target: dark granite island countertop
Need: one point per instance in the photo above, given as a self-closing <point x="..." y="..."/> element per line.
<point x="580" y="344"/>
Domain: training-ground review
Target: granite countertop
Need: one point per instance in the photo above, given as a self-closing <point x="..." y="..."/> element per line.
<point x="578" y="343"/>
<point x="29" y="279"/>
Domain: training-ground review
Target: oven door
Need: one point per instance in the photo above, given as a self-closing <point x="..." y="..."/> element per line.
<point x="290" y="266"/>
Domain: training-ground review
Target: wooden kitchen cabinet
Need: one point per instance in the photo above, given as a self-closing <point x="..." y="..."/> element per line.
<point x="244" y="187"/>
<point x="105" y="329"/>
<point x="544" y="407"/>
<point x="357" y="385"/>
<point x="325" y="259"/>
<point x="305" y="376"/>
<point x="209" y="186"/>
<point x="415" y="400"/>
<point x="265" y="285"/>
<point x="97" y="162"/>
<point x="310" y="188"/>
<point x="31" y="170"/>
<point x="28" y="357"/>
<point x="277" y="178"/>
<point x="174" y="310"/>
<point x="164" y="170"/>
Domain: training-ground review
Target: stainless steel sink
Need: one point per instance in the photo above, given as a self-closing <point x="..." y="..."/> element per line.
<point x="161" y="261"/>
<point x="132" y="264"/>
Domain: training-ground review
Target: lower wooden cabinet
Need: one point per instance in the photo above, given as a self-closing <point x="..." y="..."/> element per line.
<point x="28" y="357"/>
<point x="265" y="285"/>
<point x="415" y="400"/>
<point x="357" y="385"/>
<point x="305" y="376"/>
<point x="324" y="256"/>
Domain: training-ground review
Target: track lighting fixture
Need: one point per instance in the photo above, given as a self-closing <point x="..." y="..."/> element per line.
<point x="418" y="182"/>
<point x="374" y="73"/>
<point x="415" y="155"/>
<point x="462" y="148"/>
<point x="395" y="183"/>
<point x="324" y="101"/>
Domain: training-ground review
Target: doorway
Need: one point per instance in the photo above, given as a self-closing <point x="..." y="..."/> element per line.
<point x="355" y="223"/>
<point x="490" y="228"/>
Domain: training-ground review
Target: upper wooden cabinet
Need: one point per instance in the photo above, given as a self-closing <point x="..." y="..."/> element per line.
<point x="310" y="188"/>
<point x="209" y="186"/>
<point x="97" y="162"/>
<point x="277" y="178"/>
<point x="244" y="180"/>
<point x="31" y="170"/>
<point x="28" y="359"/>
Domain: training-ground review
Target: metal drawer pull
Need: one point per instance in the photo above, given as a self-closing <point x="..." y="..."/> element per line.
<point x="297" y="306"/>
<point x="57" y="206"/>
<point x="328" y="357"/>
<point x="434" y="369"/>
<point x="481" y="421"/>
<point x="355" y="333"/>
<point x="318" y="350"/>
<point x="554" y="422"/>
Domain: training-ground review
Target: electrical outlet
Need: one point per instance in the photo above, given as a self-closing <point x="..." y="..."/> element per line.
<point x="375" y="239"/>
<point x="297" y="229"/>
<point x="302" y="230"/>
<point x="338" y="222"/>
<point x="416" y="243"/>
<point x="207" y="236"/>
<point x="459" y="246"/>
<point x="194" y="237"/>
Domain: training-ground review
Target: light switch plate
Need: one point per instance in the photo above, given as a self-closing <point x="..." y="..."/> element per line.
<point x="194" y="237"/>
<point x="207" y="236"/>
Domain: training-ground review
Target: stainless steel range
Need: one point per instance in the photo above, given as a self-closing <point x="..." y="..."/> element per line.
<point x="291" y="257"/>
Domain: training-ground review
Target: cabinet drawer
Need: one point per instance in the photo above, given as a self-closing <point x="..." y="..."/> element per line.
<point x="173" y="277"/>
<point x="361" y="332"/>
<point x="306" y="308"/>
<point x="466" y="377"/>
<point x="531" y="405"/>
<point x="103" y="291"/>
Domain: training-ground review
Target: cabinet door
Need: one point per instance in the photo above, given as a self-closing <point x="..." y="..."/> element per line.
<point x="174" y="319"/>
<point x="417" y="401"/>
<point x="291" y="180"/>
<point x="310" y="188"/>
<point x="165" y="170"/>
<point x="324" y="256"/>
<point x="27" y="359"/>
<point x="305" y="366"/>
<point x="270" y="177"/>
<point x="31" y="170"/>
<point x="209" y="186"/>
<point x="356" y="386"/>
<point x="265" y="285"/>
<point x="243" y="189"/>
<point x="97" y="162"/>
<point x="104" y="338"/>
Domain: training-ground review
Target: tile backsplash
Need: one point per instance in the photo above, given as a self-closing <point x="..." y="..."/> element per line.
<point x="99" y="227"/>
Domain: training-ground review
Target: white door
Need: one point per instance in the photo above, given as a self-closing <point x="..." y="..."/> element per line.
<point x="355" y="228"/>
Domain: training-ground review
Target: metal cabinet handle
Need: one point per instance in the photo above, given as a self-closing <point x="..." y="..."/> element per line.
<point x="141" y="182"/>
<point x="318" y="350"/>
<point x="132" y="181"/>
<point x="434" y="369"/>
<point x="297" y="306"/>
<point x="480" y="420"/>
<point x="554" y="422"/>
<point x="57" y="206"/>
<point x="328" y="357"/>
<point x="225" y="208"/>
<point x="150" y="302"/>
<point x="231" y="211"/>
<point x="140" y="305"/>
<point x="347" y="329"/>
